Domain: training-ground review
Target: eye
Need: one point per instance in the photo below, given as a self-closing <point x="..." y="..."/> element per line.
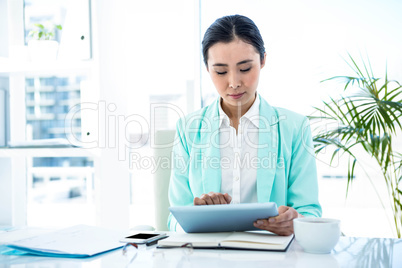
<point x="220" y="73"/>
<point x="245" y="70"/>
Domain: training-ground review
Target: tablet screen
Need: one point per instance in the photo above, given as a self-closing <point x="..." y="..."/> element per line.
<point x="222" y="218"/>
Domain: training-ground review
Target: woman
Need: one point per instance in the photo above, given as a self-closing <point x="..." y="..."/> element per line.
<point x="240" y="149"/>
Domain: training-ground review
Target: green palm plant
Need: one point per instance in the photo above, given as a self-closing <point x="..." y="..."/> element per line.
<point x="368" y="118"/>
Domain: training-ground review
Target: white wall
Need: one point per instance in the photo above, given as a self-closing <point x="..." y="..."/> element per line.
<point x="306" y="40"/>
<point x="3" y="28"/>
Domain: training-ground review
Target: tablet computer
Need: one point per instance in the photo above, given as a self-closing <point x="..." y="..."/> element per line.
<point x="222" y="218"/>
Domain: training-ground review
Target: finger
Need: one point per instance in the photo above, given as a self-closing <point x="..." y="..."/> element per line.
<point x="282" y="209"/>
<point x="207" y="199"/>
<point x="283" y="228"/>
<point x="265" y="223"/>
<point x="279" y="225"/>
<point x="281" y="218"/>
<point x="280" y="229"/>
<point x="268" y="224"/>
<point x="222" y="199"/>
<point x="228" y="198"/>
<point x="262" y="223"/>
<point x="199" y="202"/>
<point x="285" y="214"/>
<point x="214" y="197"/>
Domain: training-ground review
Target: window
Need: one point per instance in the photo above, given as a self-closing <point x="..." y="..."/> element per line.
<point x="45" y="179"/>
<point x="49" y="98"/>
<point x="48" y="101"/>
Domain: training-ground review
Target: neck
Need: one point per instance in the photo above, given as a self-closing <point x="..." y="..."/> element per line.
<point x="236" y="112"/>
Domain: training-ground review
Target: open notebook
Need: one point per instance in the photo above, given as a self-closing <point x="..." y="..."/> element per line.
<point x="258" y="240"/>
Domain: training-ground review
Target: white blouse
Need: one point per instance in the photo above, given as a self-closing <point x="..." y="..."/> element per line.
<point x="239" y="155"/>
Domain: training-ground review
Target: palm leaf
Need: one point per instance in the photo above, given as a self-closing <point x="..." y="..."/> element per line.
<point x="332" y="109"/>
<point x="398" y="167"/>
<point x="311" y="117"/>
<point x="386" y="152"/>
<point x="349" y="80"/>
<point x="386" y="80"/>
<point x="351" y="170"/>
<point x="393" y="90"/>
<point x="388" y="159"/>
<point x="326" y="113"/>
<point x="397" y="93"/>
<point x="366" y="112"/>
<point x="338" y="107"/>
<point x="397" y="201"/>
<point x="368" y="119"/>
<point x="389" y="107"/>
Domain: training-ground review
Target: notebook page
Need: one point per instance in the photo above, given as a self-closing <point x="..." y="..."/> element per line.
<point x="197" y="239"/>
<point x="260" y="237"/>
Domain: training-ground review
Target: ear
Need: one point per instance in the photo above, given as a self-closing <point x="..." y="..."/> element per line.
<point x="263" y="61"/>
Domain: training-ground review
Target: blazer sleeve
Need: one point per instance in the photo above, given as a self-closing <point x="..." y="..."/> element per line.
<point x="180" y="193"/>
<point x="303" y="184"/>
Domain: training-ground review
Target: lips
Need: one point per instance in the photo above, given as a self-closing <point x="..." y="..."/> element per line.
<point x="236" y="96"/>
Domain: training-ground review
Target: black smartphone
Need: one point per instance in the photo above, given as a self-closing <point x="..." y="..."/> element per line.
<point x="143" y="238"/>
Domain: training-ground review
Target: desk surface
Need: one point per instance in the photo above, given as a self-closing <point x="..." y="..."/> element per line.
<point x="349" y="252"/>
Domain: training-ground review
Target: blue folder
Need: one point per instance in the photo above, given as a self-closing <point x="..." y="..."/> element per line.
<point x="222" y="218"/>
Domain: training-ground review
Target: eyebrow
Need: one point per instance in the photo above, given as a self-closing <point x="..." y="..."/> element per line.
<point x="239" y="63"/>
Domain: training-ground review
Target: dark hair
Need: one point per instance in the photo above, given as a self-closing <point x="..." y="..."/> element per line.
<point x="227" y="29"/>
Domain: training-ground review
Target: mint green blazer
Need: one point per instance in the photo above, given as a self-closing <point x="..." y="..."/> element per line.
<point x="286" y="168"/>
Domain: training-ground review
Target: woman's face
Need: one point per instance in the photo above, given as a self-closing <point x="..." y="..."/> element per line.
<point x="235" y="69"/>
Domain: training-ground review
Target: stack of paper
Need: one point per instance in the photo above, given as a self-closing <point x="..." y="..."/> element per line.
<point x="74" y="242"/>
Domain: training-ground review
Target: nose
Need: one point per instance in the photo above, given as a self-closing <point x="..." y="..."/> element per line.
<point x="234" y="80"/>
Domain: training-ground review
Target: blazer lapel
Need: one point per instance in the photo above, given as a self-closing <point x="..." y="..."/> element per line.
<point x="211" y="169"/>
<point x="267" y="151"/>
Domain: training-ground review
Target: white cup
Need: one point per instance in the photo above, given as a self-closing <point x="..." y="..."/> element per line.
<point x="317" y="235"/>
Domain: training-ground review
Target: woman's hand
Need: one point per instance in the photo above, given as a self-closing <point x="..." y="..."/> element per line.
<point x="281" y="224"/>
<point x="212" y="199"/>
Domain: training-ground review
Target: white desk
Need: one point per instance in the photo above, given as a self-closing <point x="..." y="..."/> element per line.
<point x="349" y="252"/>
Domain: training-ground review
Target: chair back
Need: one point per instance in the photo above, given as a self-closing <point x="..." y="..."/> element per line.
<point x="162" y="152"/>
